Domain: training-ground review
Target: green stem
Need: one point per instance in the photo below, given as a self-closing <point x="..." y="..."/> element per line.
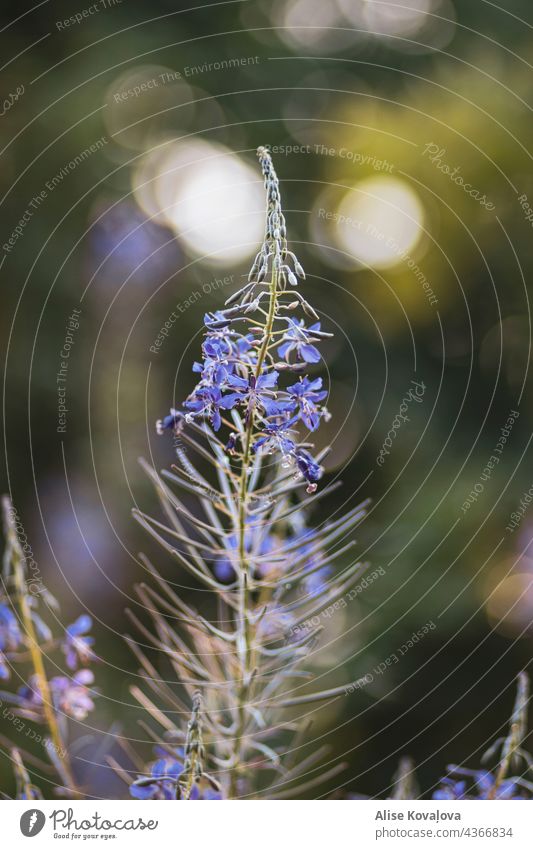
<point x="244" y="639"/>
<point x="517" y="731"/>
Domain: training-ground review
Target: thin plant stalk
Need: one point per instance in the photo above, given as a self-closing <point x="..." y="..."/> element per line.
<point x="17" y="562"/>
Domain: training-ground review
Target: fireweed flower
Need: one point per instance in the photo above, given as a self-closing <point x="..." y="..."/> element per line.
<point x="305" y="397"/>
<point x="308" y="467"/>
<point x="240" y="369"/>
<point x="278" y="435"/>
<point x="298" y="339"/>
<point x="243" y="535"/>
<point x="246" y="539"/>
<point x="179" y="773"/>
<point x="255" y="393"/>
<point x="10" y="638"/>
<point x="77" y="645"/>
<point x="71" y="696"/>
<point x="162" y="781"/>
<point x="207" y="401"/>
<point x="169" y="422"/>
<point x="480" y="785"/>
<point x="496" y="783"/>
<point x="462" y="784"/>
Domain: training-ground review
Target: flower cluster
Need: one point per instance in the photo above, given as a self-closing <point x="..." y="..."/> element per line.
<point x="165" y="773"/>
<point x="163" y="778"/>
<point x="255" y="354"/>
<point x="178" y="773"/>
<point x="70" y="696"/>
<point x="461" y="784"/>
<point x="27" y="642"/>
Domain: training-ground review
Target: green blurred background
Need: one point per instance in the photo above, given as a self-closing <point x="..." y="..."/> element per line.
<point x="376" y="109"/>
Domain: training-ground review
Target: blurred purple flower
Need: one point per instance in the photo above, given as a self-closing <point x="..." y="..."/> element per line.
<point x="76" y="646"/>
<point x="10" y="638"/>
<point x="480" y="786"/>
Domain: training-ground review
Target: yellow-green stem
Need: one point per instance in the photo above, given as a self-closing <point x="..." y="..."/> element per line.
<point x="38" y="667"/>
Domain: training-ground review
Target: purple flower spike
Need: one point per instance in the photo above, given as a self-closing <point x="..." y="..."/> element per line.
<point x="253" y="341"/>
